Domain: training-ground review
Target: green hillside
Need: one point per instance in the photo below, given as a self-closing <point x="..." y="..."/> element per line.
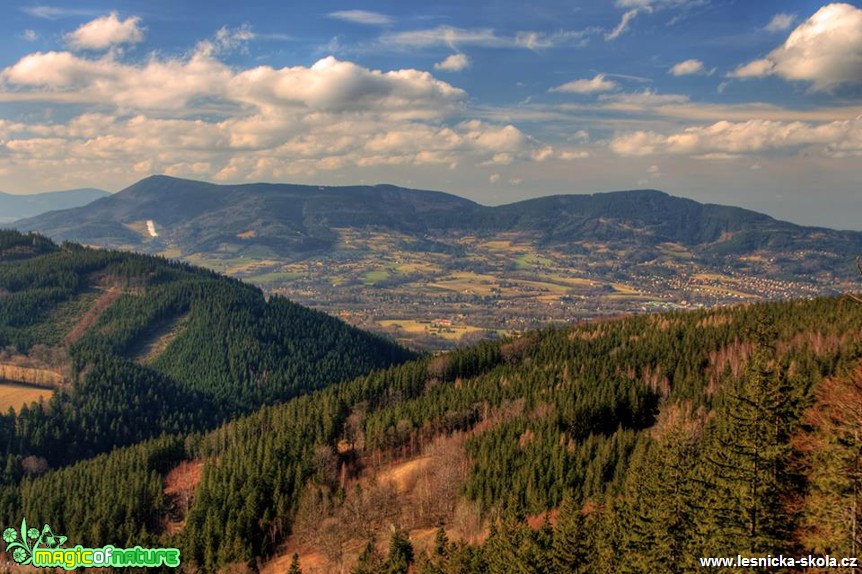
<point x="632" y="445"/>
<point x="136" y="346"/>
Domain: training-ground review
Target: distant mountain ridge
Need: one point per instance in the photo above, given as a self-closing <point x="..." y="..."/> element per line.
<point x="291" y="221"/>
<point x="14" y="207"/>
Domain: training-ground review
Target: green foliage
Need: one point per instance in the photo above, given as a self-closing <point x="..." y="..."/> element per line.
<point x="625" y="426"/>
<point x="400" y="555"/>
<point x="234" y="351"/>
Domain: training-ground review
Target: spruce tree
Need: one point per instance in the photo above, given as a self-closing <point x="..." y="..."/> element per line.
<point x="569" y="550"/>
<point x="400" y="552"/>
<point x="750" y="456"/>
<point x="294" y="565"/>
<point x="370" y="560"/>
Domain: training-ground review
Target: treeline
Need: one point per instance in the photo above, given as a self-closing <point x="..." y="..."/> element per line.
<point x="653" y="440"/>
<point x="230" y="350"/>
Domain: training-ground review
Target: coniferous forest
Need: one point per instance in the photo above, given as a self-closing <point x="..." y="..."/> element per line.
<point x="636" y="444"/>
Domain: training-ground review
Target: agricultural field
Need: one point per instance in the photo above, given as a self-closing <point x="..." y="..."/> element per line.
<point x="447" y="290"/>
<point x="16" y="395"/>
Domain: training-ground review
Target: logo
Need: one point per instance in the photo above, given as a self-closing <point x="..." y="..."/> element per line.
<point x="44" y="549"/>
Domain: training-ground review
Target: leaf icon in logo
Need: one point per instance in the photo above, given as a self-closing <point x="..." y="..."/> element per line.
<point x="50" y="539"/>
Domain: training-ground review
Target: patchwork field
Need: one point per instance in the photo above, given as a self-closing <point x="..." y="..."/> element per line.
<point x="444" y="290"/>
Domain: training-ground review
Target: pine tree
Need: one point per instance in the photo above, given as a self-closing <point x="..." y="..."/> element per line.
<point x="370" y="560"/>
<point x="294" y="565"/>
<point x="400" y="555"/>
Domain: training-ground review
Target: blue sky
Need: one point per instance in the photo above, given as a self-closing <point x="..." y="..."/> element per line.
<point x="756" y="104"/>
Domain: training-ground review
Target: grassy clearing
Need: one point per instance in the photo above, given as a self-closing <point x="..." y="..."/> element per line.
<point x="372" y="277"/>
<point x="16" y="395"/>
<point x="531" y="260"/>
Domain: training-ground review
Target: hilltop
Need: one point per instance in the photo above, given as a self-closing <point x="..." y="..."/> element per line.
<point x="124" y="347"/>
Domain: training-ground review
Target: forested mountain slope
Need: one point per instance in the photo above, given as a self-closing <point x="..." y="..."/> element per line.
<point x="652" y="440"/>
<point x="134" y="346"/>
<point x="293" y="221"/>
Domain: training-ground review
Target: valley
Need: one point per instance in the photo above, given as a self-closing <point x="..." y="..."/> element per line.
<point x="432" y="270"/>
<point x="472" y="287"/>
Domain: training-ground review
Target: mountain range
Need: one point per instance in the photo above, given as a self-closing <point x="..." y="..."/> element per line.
<point x="14" y="207"/>
<point x="294" y="221"/>
<point x="433" y="270"/>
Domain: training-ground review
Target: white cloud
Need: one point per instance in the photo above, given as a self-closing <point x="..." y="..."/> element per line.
<point x="329" y="85"/>
<point x="228" y="40"/>
<point x="825" y="50"/>
<point x="724" y="139"/>
<point x="55" y="13"/>
<point x="622" y="26"/>
<point x="780" y="22"/>
<point x="754" y="69"/>
<point x="636" y="7"/>
<point x="30" y="35"/>
<point x="453" y="37"/>
<point x="641" y="101"/>
<point x="453" y="63"/>
<point x="687" y="67"/>
<point x="106" y="32"/>
<point x="446" y="36"/>
<point x="659" y="4"/>
<point x="362" y="17"/>
<point x="599" y="83"/>
<point x="261" y="123"/>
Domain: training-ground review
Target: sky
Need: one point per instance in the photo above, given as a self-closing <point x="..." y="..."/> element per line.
<point x="739" y="102"/>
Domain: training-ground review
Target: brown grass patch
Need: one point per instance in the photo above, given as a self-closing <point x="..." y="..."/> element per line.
<point x="88" y="319"/>
<point x="16" y="395"/>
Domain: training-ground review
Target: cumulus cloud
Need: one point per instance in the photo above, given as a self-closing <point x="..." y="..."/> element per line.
<point x="598" y="83"/>
<point x="825" y="50"/>
<point x="105" y="32"/>
<point x="780" y="22"/>
<point x="174" y="84"/>
<point x="453" y="63"/>
<point x="198" y="117"/>
<point x="836" y="139"/>
<point x="362" y="17"/>
<point x="687" y="67"/>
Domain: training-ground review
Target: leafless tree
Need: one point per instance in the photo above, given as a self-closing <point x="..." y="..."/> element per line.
<point x="851" y="296"/>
